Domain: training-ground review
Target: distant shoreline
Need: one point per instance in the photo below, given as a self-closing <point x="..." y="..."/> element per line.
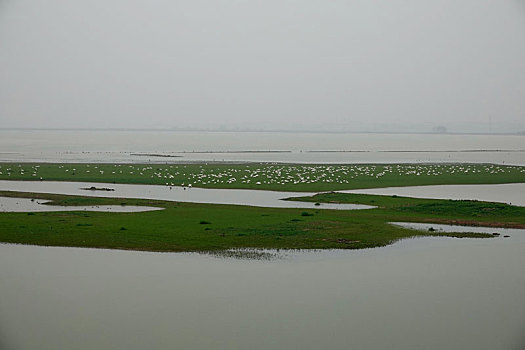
<point x="306" y="131"/>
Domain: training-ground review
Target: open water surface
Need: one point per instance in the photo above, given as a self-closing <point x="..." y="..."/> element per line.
<point x="9" y="204"/>
<point x="172" y="146"/>
<point x="425" y="293"/>
<point x="256" y="198"/>
<point x="504" y="193"/>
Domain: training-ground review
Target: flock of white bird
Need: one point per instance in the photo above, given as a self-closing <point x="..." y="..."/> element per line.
<point x="258" y="174"/>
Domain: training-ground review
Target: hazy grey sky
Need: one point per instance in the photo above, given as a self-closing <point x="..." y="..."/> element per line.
<point x="336" y="64"/>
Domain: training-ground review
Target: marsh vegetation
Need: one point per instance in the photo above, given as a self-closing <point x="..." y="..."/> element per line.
<point x="212" y="227"/>
<point x="268" y="176"/>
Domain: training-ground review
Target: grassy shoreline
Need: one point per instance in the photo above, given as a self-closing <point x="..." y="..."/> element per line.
<point x="266" y="176"/>
<point x="187" y="227"/>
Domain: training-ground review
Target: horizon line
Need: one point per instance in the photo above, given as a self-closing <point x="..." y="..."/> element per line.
<point x="306" y="131"/>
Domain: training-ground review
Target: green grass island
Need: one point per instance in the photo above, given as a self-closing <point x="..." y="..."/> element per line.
<point x="191" y="227"/>
<point x="269" y="176"/>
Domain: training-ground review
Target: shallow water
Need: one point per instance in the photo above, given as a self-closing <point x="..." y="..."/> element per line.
<point x="8" y="204"/>
<point x="428" y="293"/>
<point x="256" y="198"/>
<point x="504" y="193"/>
<point x="456" y="228"/>
<point x="138" y="147"/>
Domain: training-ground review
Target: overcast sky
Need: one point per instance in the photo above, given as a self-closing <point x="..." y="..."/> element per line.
<point x="361" y="65"/>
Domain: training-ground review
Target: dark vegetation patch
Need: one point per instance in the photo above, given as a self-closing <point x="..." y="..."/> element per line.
<point x="464" y="208"/>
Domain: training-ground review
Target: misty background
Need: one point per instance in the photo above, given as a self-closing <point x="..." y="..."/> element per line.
<point x="388" y="65"/>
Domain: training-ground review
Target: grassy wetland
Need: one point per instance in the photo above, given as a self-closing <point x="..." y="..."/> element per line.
<point x="267" y="176"/>
<point x="210" y="227"/>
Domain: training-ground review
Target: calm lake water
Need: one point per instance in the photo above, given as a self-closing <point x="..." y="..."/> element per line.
<point x="8" y="204"/>
<point x="504" y="193"/>
<point x="141" y="147"/>
<point x="255" y="198"/>
<point x="429" y="293"/>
